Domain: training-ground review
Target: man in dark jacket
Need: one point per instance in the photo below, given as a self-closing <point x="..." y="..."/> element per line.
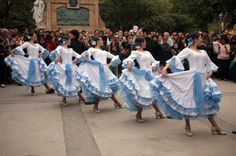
<point x="152" y="46"/>
<point x="76" y="44"/>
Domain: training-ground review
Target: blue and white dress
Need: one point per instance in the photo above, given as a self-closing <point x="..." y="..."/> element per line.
<point x="96" y="78"/>
<point x="136" y="83"/>
<point x="187" y="94"/>
<point x="31" y="70"/>
<point x="63" y="74"/>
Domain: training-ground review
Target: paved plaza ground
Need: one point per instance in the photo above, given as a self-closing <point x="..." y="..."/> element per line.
<point x="39" y="126"/>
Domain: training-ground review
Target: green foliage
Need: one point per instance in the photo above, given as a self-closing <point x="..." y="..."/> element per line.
<point x="123" y="14"/>
<point x="157" y="15"/>
<point x="204" y="12"/>
<point x="16" y="14"/>
<point x="165" y="15"/>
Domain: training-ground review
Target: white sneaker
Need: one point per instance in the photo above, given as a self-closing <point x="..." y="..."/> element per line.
<point x="3" y="85"/>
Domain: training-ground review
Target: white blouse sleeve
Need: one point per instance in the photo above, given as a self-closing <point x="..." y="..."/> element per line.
<point x="184" y="54"/>
<point x="109" y="55"/>
<point x="19" y="50"/>
<point x="75" y="54"/>
<point x="175" y="62"/>
<point x="24" y="45"/>
<point x="115" y="60"/>
<point x="54" y="54"/>
<point x="58" y="51"/>
<point x="90" y="52"/>
<point x="210" y="66"/>
<point x="134" y="55"/>
<point x="154" y="63"/>
<point x="41" y="48"/>
<point x="152" y="60"/>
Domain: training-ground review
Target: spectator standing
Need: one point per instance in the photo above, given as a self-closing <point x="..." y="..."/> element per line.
<point x="76" y="44"/>
<point x="233" y="59"/>
<point x="223" y="58"/>
<point x="3" y="68"/>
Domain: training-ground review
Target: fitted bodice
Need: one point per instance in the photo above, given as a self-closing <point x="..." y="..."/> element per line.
<point x="144" y="59"/>
<point x="66" y="54"/>
<point x="198" y="60"/>
<point x="32" y="50"/>
<point x="100" y="55"/>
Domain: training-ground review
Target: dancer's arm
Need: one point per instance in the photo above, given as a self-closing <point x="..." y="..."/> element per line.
<point x="19" y="49"/>
<point x="43" y="52"/>
<point x="129" y="62"/>
<point x="155" y="64"/>
<point x="175" y="63"/>
<point x="77" y="57"/>
<point x="210" y="67"/>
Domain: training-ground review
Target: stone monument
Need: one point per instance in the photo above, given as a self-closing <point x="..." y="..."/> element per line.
<point x="68" y="14"/>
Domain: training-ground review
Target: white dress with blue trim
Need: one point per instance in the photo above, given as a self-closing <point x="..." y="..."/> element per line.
<point x="187" y="94"/>
<point x="31" y="70"/>
<point x="96" y="78"/>
<point x="63" y="74"/>
<point x="136" y="83"/>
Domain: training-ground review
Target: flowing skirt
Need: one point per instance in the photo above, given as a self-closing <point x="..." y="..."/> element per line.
<point x="63" y="77"/>
<point x="97" y="80"/>
<point x="136" y="89"/>
<point x="186" y="94"/>
<point x="28" y="72"/>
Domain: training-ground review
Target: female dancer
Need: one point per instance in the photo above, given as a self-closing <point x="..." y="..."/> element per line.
<point x="97" y="80"/>
<point x="63" y="71"/>
<point x="135" y="82"/>
<point x="31" y="70"/>
<point x="189" y="94"/>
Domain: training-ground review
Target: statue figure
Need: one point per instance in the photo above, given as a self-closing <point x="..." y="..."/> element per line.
<point x="73" y="3"/>
<point x="38" y="11"/>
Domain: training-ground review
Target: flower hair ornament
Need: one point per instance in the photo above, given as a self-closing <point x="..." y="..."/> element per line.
<point x="137" y="44"/>
<point x="93" y="42"/>
<point x="190" y="41"/>
<point x="28" y="37"/>
<point x="62" y="41"/>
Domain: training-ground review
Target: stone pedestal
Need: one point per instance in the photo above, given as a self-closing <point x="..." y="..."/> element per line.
<point x="63" y="14"/>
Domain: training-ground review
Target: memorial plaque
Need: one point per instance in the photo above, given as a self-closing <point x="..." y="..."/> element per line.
<point x="72" y="17"/>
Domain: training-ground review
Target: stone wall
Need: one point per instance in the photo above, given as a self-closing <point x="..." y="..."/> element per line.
<point x="84" y="16"/>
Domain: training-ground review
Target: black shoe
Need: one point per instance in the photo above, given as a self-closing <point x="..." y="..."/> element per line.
<point x="89" y="102"/>
<point x="234" y="132"/>
<point x="50" y="91"/>
<point x="169" y="117"/>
